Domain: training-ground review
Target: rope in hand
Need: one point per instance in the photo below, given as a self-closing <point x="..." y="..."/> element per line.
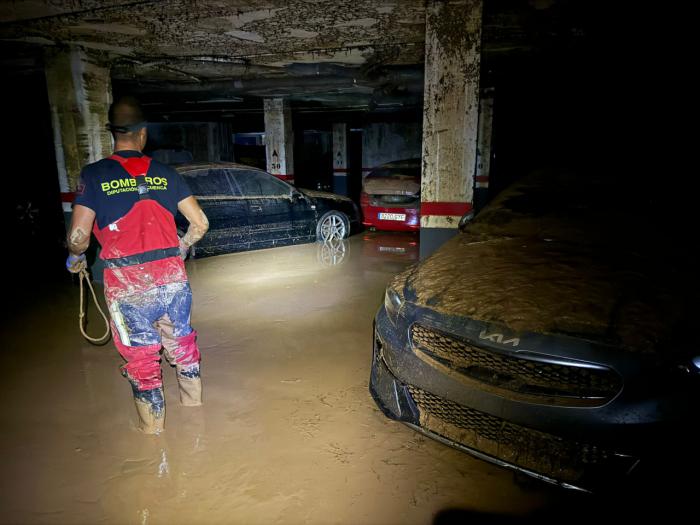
<point x="84" y="276"/>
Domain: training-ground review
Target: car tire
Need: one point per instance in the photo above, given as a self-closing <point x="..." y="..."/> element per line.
<point x="332" y="225"/>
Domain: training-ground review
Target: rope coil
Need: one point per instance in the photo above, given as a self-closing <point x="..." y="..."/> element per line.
<point x="84" y="276"/>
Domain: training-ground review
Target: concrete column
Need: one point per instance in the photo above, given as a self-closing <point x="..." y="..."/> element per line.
<point x="80" y="92"/>
<point x="279" y="139"/>
<point x="483" y="152"/>
<point x="340" y="158"/>
<point x="450" y="117"/>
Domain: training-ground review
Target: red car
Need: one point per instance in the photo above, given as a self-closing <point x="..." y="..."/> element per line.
<point x="390" y="198"/>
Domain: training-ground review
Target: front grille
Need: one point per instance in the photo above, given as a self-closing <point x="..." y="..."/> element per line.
<point x="552" y="383"/>
<point x="540" y="452"/>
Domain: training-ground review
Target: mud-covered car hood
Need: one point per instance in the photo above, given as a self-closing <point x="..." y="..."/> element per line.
<point x="549" y="287"/>
<point x="587" y="275"/>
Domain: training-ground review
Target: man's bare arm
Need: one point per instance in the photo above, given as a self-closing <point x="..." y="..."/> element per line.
<point x="80" y="227"/>
<point x="199" y="224"/>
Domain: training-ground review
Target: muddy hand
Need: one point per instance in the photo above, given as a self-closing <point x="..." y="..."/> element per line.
<point x="76" y="263"/>
<point x="184" y="249"/>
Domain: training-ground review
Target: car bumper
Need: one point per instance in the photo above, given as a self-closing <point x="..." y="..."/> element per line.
<point x="371" y="218"/>
<point x="573" y="447"/>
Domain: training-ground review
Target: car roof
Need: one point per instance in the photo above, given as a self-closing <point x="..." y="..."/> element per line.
<point x="188" y="167"/>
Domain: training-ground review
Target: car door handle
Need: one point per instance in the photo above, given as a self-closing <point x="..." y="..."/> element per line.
<point x="256" y="208"/>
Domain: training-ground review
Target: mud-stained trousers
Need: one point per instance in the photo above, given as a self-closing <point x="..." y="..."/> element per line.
<point x="142" y="324"/>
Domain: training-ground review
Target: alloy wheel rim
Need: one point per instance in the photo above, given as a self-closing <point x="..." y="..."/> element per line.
<point x="332" y="227"/>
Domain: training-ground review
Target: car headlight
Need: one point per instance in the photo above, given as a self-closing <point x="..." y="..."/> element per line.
<point x="690" y="366"/>
<point x="392" y="303"/>
<point x="694" y="365"/>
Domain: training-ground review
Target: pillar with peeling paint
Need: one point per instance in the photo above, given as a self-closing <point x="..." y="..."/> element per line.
<point x="279" y="139"/>
<point x="450" y="117"/>
<point x="80" y="92"/>
<point x="483" y="152"/>
<point x="340" y="158"/>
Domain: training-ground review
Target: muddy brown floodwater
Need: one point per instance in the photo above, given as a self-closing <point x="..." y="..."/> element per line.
<point x="288" y="432"/>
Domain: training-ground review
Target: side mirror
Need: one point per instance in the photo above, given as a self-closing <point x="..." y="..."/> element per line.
<point x="466" y="219"/>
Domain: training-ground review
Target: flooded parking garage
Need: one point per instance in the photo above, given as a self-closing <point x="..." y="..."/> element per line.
<point x="288" y="432"/>
<point x="318" y="94"/>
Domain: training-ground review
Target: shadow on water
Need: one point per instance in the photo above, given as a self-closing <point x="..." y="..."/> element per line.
<point x="662" y="493"/>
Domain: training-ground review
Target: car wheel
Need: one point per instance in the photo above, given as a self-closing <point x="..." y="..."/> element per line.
<point x="332" y="226"/>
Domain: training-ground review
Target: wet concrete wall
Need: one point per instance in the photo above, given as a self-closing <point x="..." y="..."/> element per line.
<point x="313" y="159"/>
<point x="205" y="141"/>
<point x="389" y="141"/>
<point x="484" y="150"/>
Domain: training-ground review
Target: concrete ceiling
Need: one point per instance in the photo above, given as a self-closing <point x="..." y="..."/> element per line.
<point x="325" y="53"/>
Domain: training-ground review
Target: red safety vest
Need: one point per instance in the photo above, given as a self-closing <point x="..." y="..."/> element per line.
<point x="140" y="249"/>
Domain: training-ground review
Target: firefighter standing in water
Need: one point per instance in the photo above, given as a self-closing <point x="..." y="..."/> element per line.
<point x="129" y="201"/>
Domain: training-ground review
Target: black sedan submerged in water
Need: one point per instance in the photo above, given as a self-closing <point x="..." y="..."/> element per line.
<point x="250" y="209"/>
<point x="553" y="336"/>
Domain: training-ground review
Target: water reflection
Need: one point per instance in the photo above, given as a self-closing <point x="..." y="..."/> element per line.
<point x="399" y="246"/>
<point x="332" y="253"/>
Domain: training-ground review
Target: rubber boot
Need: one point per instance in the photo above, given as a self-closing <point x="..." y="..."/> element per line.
<point x="190" y="383"/>
<point x="150" y="407"/>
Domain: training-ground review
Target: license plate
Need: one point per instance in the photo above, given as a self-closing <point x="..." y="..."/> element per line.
<point x="392" y="216"/>
<point x="392" y="249"/>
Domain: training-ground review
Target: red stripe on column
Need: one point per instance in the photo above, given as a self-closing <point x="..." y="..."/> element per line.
<point x="482" y="178"/>
<point x="342" y="170"/>
<point x="283" y="177"/>
<point x="67" y="197"/>
<point x="445" y="208"/>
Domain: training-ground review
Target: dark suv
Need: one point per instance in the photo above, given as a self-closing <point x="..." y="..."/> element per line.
<point x="553" y="335"/>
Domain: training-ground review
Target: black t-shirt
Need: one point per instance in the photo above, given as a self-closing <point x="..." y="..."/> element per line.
<point x="106" y="188"/>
